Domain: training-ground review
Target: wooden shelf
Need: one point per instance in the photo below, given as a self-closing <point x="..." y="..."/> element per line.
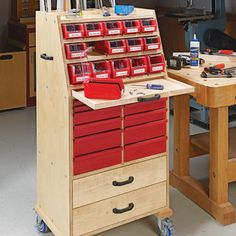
<point x="96" y="56"/>
<point x="103" y="38"/>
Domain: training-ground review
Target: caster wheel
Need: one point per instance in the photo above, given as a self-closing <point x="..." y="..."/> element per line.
<point x="166" y="227"/>
<point x="41" y="225"/>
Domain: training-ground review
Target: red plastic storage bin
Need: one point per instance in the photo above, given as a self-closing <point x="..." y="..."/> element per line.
<point x="145" y="148"/>
<point x="145" y="117"/>
<point x="97" y="142"/>
<point x="98" y="160"/>
<point x="156" y="63"/>
<point x="113" y="28"/>
<point x="120" y="68"/>
<point x="131" y="26"/>
<point x="148" y="25"/>
<point x="71" y="31"/>
<point x="75" y="50"/>
<point x="138" y="66"/>
<point x="152" y="43"/>
<point x="97" y="127"/>
<point x="93" y="29"/>
<point x="145" y="131"/>
<point x="101" y="69"/>
<point x="111" y="47"/>
<point x="144" y="106"/>
<point x="80" y="72"/>
<point x="134" y="45"/>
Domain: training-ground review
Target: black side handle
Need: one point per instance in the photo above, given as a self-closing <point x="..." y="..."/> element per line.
<point x="120" y="211"/>
<point x="6" y="57"/>
<point x="44" y="56"/>
<point x="149" y="99"/>
<point x="129" y="181"/>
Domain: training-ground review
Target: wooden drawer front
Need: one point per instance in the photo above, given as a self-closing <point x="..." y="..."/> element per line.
<point x="145" y="148"/>
<point x="146" y="131"/>
<point x="32" y="39"/>
<point x="90" y="116"/>
<point x="144" y="106"/>
<point x="97" y="127"/>
<point x="104" y="213"/>
<point x="105" y="185"/>
<point x="97" y="160"/>
<point x="97" y="142"/>
<point x="145" y="117"/>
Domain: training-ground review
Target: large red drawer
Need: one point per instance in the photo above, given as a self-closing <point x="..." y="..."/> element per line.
<point x="97" y="127"/>
<point x="144" y="106"/>
<point x="145" y="148"/>
<point x="146" y="131"/>
<point x="103" y="114"/>
<point x="97" y="160"/>
<point x="145" y="117"/>
<point x="97" y="142"/>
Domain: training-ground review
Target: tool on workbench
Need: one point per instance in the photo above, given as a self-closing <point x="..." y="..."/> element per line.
<point x="207" y="75"/>
<point x="214" y="70"/>
<point x="177" y="62"/>
<point x="221" y="52"/>
<point x="151" y="86"/>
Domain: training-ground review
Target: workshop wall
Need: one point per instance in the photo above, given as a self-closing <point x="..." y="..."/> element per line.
<point x="5" y="14"/>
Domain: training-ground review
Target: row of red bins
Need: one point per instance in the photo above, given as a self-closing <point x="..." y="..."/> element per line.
<point x="98" y="29"/>
<point x="79" y="50"/>
<point x="119" y="68"/>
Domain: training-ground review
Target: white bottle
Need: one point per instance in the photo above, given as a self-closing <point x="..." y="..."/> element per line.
<point x="194" y="52"/>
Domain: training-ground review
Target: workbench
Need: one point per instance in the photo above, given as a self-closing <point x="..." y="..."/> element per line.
<point x="217" y="94"/>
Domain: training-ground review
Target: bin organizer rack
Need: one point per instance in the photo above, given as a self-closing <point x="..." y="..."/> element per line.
<point x="101" y="163"/>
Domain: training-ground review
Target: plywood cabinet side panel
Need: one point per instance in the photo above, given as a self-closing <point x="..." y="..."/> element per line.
<point x="53" y="128"/>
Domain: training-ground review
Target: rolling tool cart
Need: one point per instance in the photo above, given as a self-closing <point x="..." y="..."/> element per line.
<point x="100" y="163"/>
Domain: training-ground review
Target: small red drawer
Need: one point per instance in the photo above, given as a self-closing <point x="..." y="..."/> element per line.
<point x="91" y="116"/>
<point x="93" y="29"/>
<point x="145" y="149"/>
<point x="144" y="106"/>
<point x="145" y="117"/>
<point x="75" y="50"/>
<point x="80" y="72"/>
<point x="131" y="26"/>
<point x="71" y="31"/>
<point x="97" y="142"/>
<point x="120" y="68"/>
<point x="111" y="47"/>
<point x="97" y="160"/>
<point x="101" y="70"/>
<point x="138" y="66"/>
<point x="77" y="103"/>
<point x="148" y="25"/>
<point x="97" y="127"/>
<point x="113" y="28"/>
<point x="146" y="131"/>
<point x="134" y="45"/>
<point x="152" y="43"/>
<point x="81" y="109"/>
<point x="156" y="63"/>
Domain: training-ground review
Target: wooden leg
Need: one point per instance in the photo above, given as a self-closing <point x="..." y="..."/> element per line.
<point x="218" y="177"/>
<point x="181" y="135"/>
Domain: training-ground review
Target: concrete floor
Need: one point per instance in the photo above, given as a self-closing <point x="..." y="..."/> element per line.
<point x="17" y="188"/>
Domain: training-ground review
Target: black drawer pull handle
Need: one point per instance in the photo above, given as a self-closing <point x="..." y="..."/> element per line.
<point x="46" y="57"/>
<point x="6" y="57"/>
<point x="120" y="211"/>
<point x="129" y="181"/>
<point x="149" y="99"/>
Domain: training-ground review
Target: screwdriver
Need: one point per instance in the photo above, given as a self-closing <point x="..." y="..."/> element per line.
<point x="151" y="86"/>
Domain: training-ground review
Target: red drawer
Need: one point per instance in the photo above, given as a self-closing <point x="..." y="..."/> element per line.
<point x="93" y="29"/>
<point x="145" y="149"/>
<point x="146" y="131"/>
<point x="148" y="25"/>
<point x="152" y="43"/>
<point x="156" y="63"/>
<point x="71" y="31"/>
<point x="138" y="66"/>
<point x="81" y="109"/>
<point x="111" y="47"/>
<point x="103" y="114"/>
<point x="134" y="45"/>
<point x="75" y="50"/>
<point x="145" y="117"/>
<point x="97" y="127"/>
<point x="144" y="106"/>
<point x="77" y="103"/>
<point x="97" y="142"/>
<point x="113" y="28"/>
<point x="131" y="26"/>
<point x="101" y="70"/>
<point x="120" y="68"/>
<point x="97" y="160"/>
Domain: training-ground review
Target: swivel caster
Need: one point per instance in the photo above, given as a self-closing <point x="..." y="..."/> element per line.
<point x="165" y="227"/>
<point x="41" y="225"/>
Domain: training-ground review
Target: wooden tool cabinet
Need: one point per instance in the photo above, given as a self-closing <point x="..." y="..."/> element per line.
<point x="101" y="163"/>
